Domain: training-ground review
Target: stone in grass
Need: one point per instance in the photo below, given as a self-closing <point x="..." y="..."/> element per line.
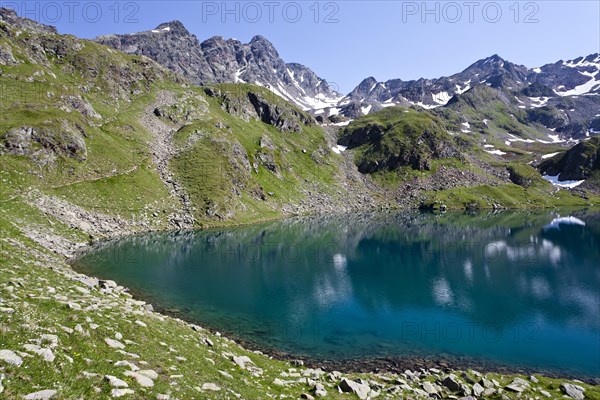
<point x="359" y="389"/>
<point x="320" y="390"/>
<point x="149" y="373"/>
<point x="10" y="357"/>
<point x="115" y="382"/>
<point x="115" y="344"/>
<point x="41" y="395"/>
<point x="451" y="383"/>
<point x="128" y="364"/>
<point x="142" y="380"/>
<point x="211" y="387"/>
<point x="518" y="385"/>
<point x="225" y="374"/>
<point x="46" y="354"/>
<point x="121" y="392"/>
<point x="429" y="388"/>
<point x="241" y="361"/>
<point x="478" y="389"/>
<point x="573" y="391"/>
<point x="306" y="396"/>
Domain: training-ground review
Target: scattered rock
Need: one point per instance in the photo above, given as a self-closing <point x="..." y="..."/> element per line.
<point x="478" y="390"/>
<point x="116" y="382"/>
<point x="10" y="357"/>
<point x="573" y="391"/>
<point x="320" y="390"/>
<point x="486" y="383"/>
<point x="241" y="361"/>
<point x="306" y="396"/>
<point x="280" y="382"/>
<point x="211" y="387"/>
<point x="142" y="380"/>
<point x="46" y="354"/>
<point x="41" y="395"/>
<point x="452" y="383"/>
<point x="225" y="374"/>
<point x="429" y="388"/>
<point x="128" y="364"/>
<point x="518" y="385"/>
<point x="121" y="392"/>
<point x="149" y="373"/>
<point x="359" y="389"/>
<point x="115" y="344"/>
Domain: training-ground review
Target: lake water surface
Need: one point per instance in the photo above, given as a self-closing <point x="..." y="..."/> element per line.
<point x="518" y="289"/>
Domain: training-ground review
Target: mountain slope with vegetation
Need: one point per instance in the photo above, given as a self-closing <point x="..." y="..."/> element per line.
<point x="96" y="143"/>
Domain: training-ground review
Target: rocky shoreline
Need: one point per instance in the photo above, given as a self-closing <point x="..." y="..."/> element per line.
<point x="387" y="377"/>
<point x="389" y="364"/>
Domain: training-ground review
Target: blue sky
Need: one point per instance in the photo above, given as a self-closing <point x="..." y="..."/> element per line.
<point x="346" y="41"/>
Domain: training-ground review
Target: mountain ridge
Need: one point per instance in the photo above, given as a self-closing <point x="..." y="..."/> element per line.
<point x="219" y="60"/>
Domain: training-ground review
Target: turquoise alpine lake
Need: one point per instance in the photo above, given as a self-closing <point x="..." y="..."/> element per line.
<point x="520" y="289"/>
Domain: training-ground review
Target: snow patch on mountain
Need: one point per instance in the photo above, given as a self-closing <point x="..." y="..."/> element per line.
<point x="441" y="98"/>
<point x="563" y="184"/>
<point x="587" y="87"/>
<point x="549" y="155"/>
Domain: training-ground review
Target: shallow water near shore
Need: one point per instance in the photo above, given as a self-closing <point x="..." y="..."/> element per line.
<point x="520" y="289"/>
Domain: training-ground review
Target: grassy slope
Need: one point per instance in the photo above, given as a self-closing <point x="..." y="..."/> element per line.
<point x="208" y="175"/>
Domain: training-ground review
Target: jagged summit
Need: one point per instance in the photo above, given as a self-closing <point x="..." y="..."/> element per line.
<point x="217" y="60"/>
<point x="175" y="27"/>
<point x="259" y="38"/>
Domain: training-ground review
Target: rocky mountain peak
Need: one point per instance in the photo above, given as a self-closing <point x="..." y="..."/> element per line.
<point x="260" y="39"/>
<point x="174" y="27"/>
<point x="9" y="16"/>
<point x="217" y="60"/>
<point x="260" y="45"/>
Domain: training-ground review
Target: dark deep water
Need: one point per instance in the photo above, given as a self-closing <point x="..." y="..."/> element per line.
<point x="514" y="288"/>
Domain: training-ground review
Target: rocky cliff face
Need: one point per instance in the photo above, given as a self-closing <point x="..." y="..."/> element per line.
<point x="217" y="60"/>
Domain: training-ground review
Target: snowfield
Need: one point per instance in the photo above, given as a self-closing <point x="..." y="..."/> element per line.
<point x="563" y="184"/>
